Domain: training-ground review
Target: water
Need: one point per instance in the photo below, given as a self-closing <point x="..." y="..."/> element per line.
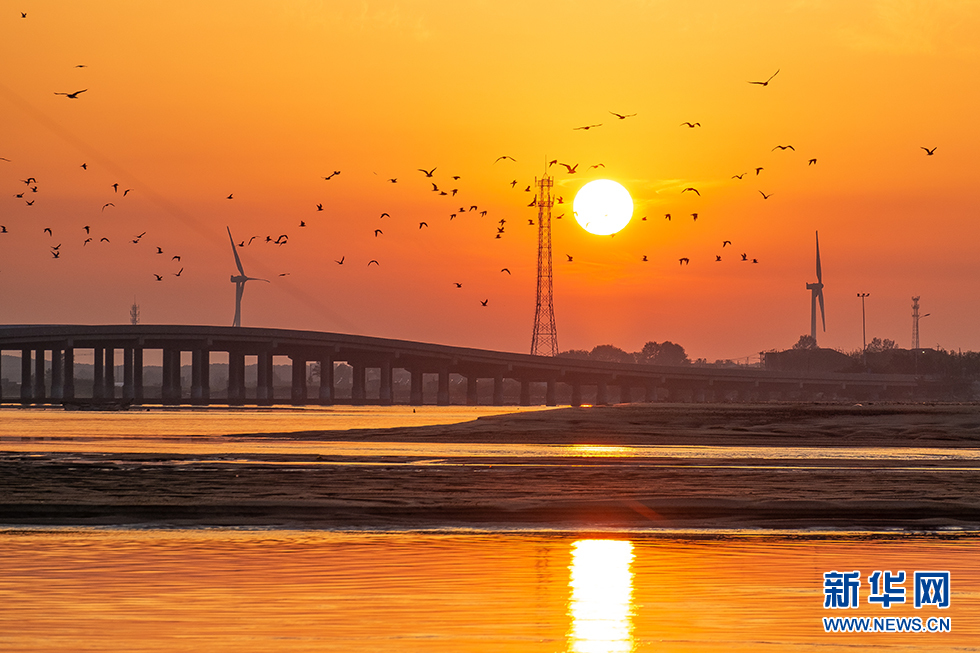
<point x="531" y="589"/>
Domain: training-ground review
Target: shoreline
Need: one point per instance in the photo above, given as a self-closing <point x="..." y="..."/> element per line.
<point x="567" y="492"/>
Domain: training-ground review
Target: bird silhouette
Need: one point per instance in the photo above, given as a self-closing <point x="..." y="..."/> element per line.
<point x="385" y="215"/>
<point x="341" y="261"/>
<point x="375" y="262"/>
<point x="159" y="278"/>
<point x="569" y="257"/>
<point x="684" y="261"/>
<point x="115" y="188"/>
<point x="622" y="116"/>
<point x="31" y="203"/>
<point x="332" y="175"/>
<point x="738" y="176"/>
<point x="692" y="125"/>
<point x="483" y="214"/>
<point x="84" y="243"/>
<point x="177" y="258"/>
<point x="72" y="95"/>
<point x="717" y="258"/>
<point x="86" y="228"/>
<point x="811" y="162"/>
<point x="159" y="250"/>
<point x="755" y="260"/>
<point x="56" y="254"/>
<point x="104" y="240"/>
<point x="428" y="173"/>
<point x="423" y="224"/>
<point x="783" y="147"/>
<point x="127" y="191"/>
<point x="434" y="187"/>
<point x="177" y="274"/>
<point x="505" y="270"/>
<point x="598" y="165"/>
<point x="505" y="157"/>
<point x="745" y="257"/>
<point x="378" y="232"/>
<point x="928" y="151"/>
<point x="513" y="183"/>
<point x="84" y="166"/>
<point x="483" y="302"/>
<point x="571" y="169"/>
<point x="587" y="127"/>
<point x="319" y="207"/>
<point x="725" y="242"/>
<point x="667" y="217"/>
<point x="253" y="238"/>
<point x="695" y="216"/>
<point x="458" y="285"/>
<point x="281" y="239"/>
<point x="758" y="170"/>
<point x="644" y="259"/>
<point x="47" y="230"/>
<point x="694" y="189"/>
<point x="231" y="196"/>
<point x="302" y="223"/>
<point x="764" y="196"/>
<point x="393" y="180"/>
<point x="766" y="83"/>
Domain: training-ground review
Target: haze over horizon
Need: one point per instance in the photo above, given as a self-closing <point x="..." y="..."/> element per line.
<point x="185" y="105"/>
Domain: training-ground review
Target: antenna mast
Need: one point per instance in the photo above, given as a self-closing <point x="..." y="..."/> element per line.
<point x="544" y="342"/>
<point x="915" y="323"/>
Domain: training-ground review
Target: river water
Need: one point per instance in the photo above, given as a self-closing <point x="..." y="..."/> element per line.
<point x="529" y="589"/>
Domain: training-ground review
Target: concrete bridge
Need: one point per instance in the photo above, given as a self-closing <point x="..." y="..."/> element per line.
<point x="48" y="354"/>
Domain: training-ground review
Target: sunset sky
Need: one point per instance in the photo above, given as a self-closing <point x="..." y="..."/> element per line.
<point x="187" y="103"/>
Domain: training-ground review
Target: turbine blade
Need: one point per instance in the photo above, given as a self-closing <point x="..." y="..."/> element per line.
<point x="823" y="316"/>
<point x="819" y="275"/>
<point x="234" y="251"/>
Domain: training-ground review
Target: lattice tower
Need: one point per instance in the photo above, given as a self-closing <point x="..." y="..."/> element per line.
<point x="544" y="342"/>
<point x="915" y="323"/>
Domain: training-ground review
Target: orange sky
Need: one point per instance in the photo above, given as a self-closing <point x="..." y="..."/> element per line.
<point x="189" y="103"/>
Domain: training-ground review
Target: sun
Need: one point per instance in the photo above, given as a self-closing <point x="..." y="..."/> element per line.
<point x="603" y="207"/>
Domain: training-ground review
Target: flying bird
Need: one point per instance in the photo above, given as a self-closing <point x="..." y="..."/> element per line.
<point x="717" y="258"/>
<point x="341" y="261"/>
<point x="84" y="166"/>
<point x="766" y="83"/>
<point x="764" y="196"/>
<point x="622" y="116"/>
<point x="177" y="258"/>
<point x="375" y="262"/>
<point x="319" y="207"/>
<point x="505" y="157"/>
<point x="571" y="169"/>
<point x="332" y="175"/>
<point x="159" y="278"/>
<point x="231" y="196"/>
<point x="928" y="151"/>
<point x="104" y="240"/>
<point x="569" y="257"/>
<point x="811" y="162"/>
<point x="695" y="216"/>
<point x="694" y="189"/>
<point x="598" y="165"/>
<point x="127" y="191"/>
<point x="458" y="285"/>
<point x="393" y="180"/>
<point x="667" y="217"/>
<point x="725" y="242"/>
<point x="587" y="127"/>
<point x="84" y="243"/>
<point x="434" y="187"/>
<point x="177" y="274"/>
<point x="505" y="270"/>
<point x="428" y="173"/>
<point x="483" y="302"/>
<point x="684" y="261"/>
<point x="513" y="183"/>
<point x="758" y="170"/>
<point x="738" y="176"/>
<point x="644" y="259"/>
<point x="86" y="228"/>
<point x="745" y="257"/>
<point x="302" y="223"/>
<point x="47" y="230"/>
<point x="160" y="250"/>
<point x="692" y="125"/>
<point x="74" y="95"/>
<point x="56" y="254"/>
<point x="423" y="224"/>
<point x="378" y="232"/>
<point x="783" y="147"/>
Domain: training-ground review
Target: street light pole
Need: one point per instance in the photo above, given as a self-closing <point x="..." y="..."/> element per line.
<point x="864" y="331"/>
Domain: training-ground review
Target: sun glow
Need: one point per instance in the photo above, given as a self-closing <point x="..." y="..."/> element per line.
<point x="603" y="207"/>
<point x="602" y="596"/>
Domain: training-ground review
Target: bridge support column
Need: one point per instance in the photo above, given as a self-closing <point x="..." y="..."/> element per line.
<point x="415" y="396"/>
<point x="236" y="378"/>
<point x="550" y="394"/>
<point x="601" y="393"/>
<point x="326" y="380"/>
<point x="138" y="375"/>
<point x="39" y="397"/>
<point x="110" y="373"/>
<point x="171" y="377"/>
<point x="298" y="389"/>
<point x="197" y="363"/>
<point x="576" y="393"/>
<point x="263" y="381"/>
<point x="98" y="372"/>
<point x="498" y="390"/>
<point x="57" y="376"/>
<point x="525" y="392"/>
<point x="472" y="397"/>
<point x="386" y="393"/>
<point x="68" y="389"/>
<point x="625" y="394"/>
<point x="358" y="390"/>
<point x="128" y="392"/>
<point x="26" y="382"/>
<point x="442" y="396"/>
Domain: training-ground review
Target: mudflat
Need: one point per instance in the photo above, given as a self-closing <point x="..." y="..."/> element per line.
<point x="798" y="466"/>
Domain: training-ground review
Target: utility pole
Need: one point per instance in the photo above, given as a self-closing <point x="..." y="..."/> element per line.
<point x="544" y="341"/>
<point x="915" y="331"/>
<point x="864" y="331"/>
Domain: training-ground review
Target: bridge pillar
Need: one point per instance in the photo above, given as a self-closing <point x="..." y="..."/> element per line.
<point x="298" y="389"/>
<point x="263" y="382"/>
<point x="110" y="373"/>
<point x="26" y="384"/>
<point x="601" y="393"/>
<point x="171" y="377"/>
<point x="576" y="393"/>
<point x="442" y="396"/>
<point x="358" y="391"/>
<point x="415" y="397"/>
<point x="128" y="392"/>
<point x="386" y="393"/>
<point x="57" y="376"/>
<point x="138" y="375"/>
<point x="525" y="392"/>
<point x="68" y="380"/>
<point x="472" y="397"/>
<point x="625" y="394"/>
<point x="498" y="390"/>
<point x="39" y="376"/>
<point x="550" y="394"/>
<point x="197" y="363"/>
<point x="326" y="380"/>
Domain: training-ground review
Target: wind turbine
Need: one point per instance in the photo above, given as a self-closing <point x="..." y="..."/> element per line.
<point x="239" y="282"/>
<point x="816" y="294"/>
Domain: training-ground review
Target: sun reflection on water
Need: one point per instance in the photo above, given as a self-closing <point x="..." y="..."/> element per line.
<point x="602" y="593"/>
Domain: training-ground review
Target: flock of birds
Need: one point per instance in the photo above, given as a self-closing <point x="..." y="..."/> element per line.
<point x="444" y="186"/>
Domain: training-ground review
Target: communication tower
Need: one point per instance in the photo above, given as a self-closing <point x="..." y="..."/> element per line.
<point x="134" y="313"/>
<point x="915" y="323"/>
<point x="544" y="342"/>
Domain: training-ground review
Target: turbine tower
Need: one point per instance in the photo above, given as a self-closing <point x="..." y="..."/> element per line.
<point x="544" y="342"/>
<point x="816" y="294"/>
<point x="239" y="282"/>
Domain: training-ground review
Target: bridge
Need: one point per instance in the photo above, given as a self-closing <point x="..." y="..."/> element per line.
<point x="48" y="355"/>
